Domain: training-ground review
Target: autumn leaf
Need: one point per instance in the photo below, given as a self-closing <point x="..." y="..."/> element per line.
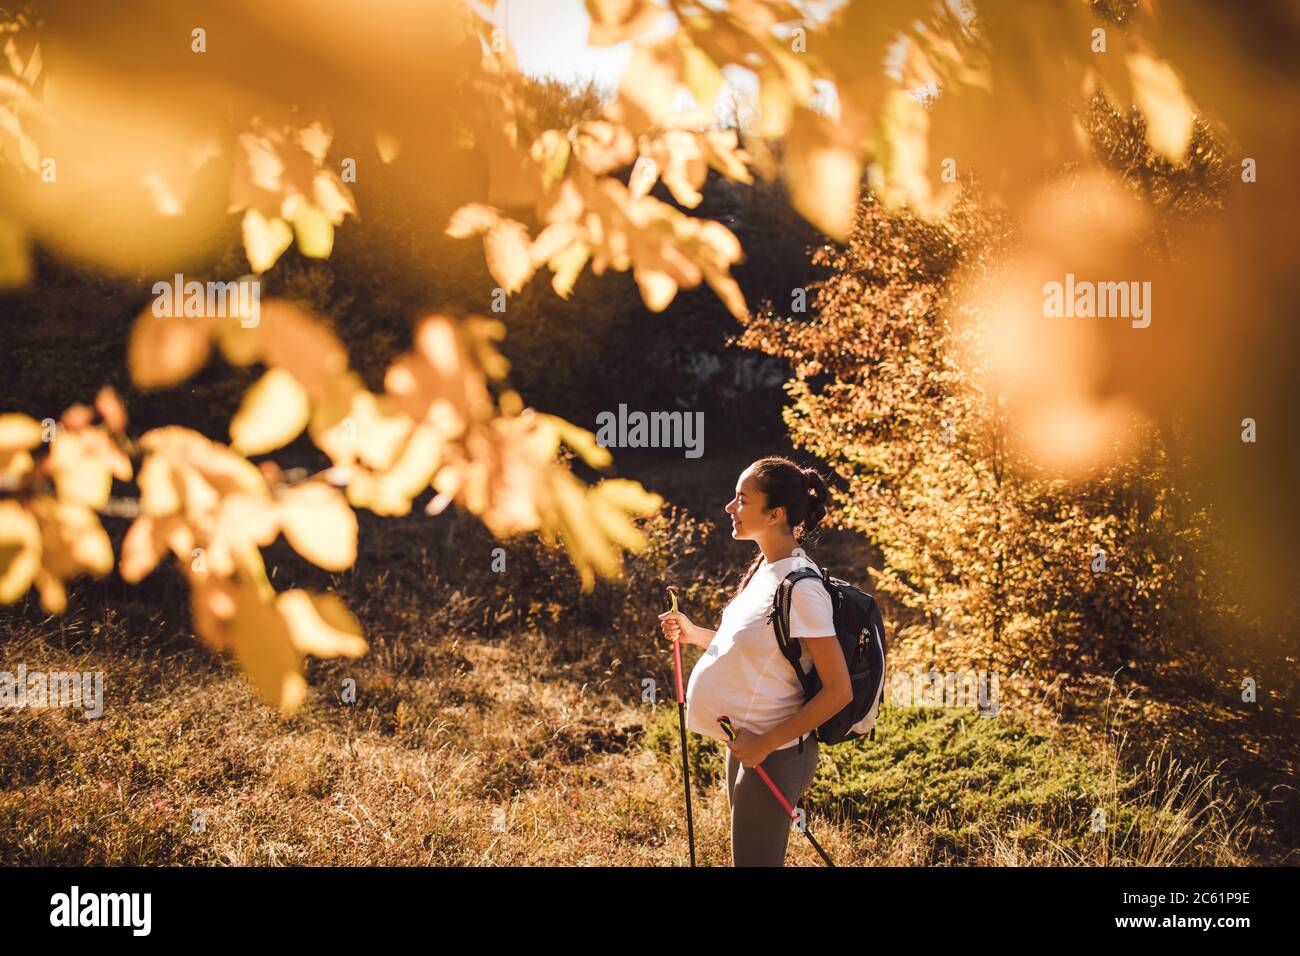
<point x="390" y="491"/>
<point x="314" y="231"/>
<point x="701" y="75"/>
<point x="165" y="350"/>
<point x="648" y="87"/>
<point x="1160" y="97"/>
<point x="472" y="220"/>
<point x="20" y="550"/>
<point x="18" y="435"/>
<point x="110" y="409"/>
<point x="84" y="463"/>
<point x="657" y="288"/>
<point x="824" y="176"/>
<point x="273" y="413"/>
<point x="617" y="21"/>
<point x="389" y="146"/>
<point x="567" y="266"/>
<point x="320" y="624"/>
<point x="159" y="491"/>
<point x="507" y="248"/>
<point x="579" y="439"/>
<point x="141" y="550"/>
<point x="281" y="184"/>
<point x="73" y="540"/>
<point x="265" y="239"/>
<point x="506" y="243"/>
<point x="319" y="524"/>
<point x="264" y="647"/>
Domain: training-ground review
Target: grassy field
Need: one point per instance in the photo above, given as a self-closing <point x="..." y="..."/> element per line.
<point x="487" y="734"/>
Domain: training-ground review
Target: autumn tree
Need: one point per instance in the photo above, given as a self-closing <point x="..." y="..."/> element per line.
<point x="1004" y="562"/>
<point x="131" y="135"/>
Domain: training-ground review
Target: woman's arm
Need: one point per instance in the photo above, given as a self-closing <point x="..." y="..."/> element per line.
<point x="836" y="692"/>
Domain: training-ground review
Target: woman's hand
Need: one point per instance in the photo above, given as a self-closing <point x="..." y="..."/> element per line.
<point x="750" y="749"/>
<point x="677" y="626"/>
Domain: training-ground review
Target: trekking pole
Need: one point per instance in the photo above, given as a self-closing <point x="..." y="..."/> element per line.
<point x="731" y="733"/>
<point x="681" y="727"/>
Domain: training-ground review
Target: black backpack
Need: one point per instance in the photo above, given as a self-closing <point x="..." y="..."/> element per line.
<point x="861" y="631"/>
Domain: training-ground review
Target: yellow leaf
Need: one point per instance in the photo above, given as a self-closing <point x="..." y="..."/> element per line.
<point x="551" y="151"/>
<point x="264" y="239"/>
<point x="314" y="230"/>
<point x="72" y="539"/>
<point x="20" y="550"/>
<point x="320" y="525"/>
<point x="110" y="409"/>
<point x="551" y="242"/>
<point x="320" y="624"/>
<point x="249" y="518"/>
<point x="681" y="157"/>
<point x="471" y="220"/>
<point x="506" y="245"/>
<point x="54" y="599"/>
<point x="612" y="500"/>
<point x="616" y="21"/>
<point x="18" y="431"/>
<point x="579" y="439"/>
<point x="649" y="86"/>
<point x="332" y="197"/>
<point x="389" y="146"/>
<point x="776" y="105"/>
<point x="141" y="550"/>
<point x="898" y="174"/>
<point x="567" y="266"/>
<point x="824" y="177"/>
<point x="273" y="413"/>
<point x="702" y="76"/>
<point x="158" y="492"/>
<point x="629" y="496"/>
<point x="299" y="342"/>
<point x="1160" y="97"/>
<point x="165" y="350"/>
<point x="657" y="288"/>
<point x="265" y="650"/>
<point x="80" y="475"/>
<point x="585" y="543"/>
<point x="721" y="150"/>
<point x="374" y="431"/>
<point x="390" y="492"/>
<point x="315" y="139"/>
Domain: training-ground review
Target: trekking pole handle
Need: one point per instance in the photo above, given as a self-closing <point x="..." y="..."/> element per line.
<point x="725" y="722"/>
<point x="677" y="650"/>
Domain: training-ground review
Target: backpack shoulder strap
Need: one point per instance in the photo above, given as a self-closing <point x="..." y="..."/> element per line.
<point x="779" y="617"/>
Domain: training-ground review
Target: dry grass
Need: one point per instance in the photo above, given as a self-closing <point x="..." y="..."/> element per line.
<point x="497" y="757"/>
<point x="495" y="745"/>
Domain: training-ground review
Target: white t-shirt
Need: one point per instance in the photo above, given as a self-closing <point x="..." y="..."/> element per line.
<point x="742" y="673"/>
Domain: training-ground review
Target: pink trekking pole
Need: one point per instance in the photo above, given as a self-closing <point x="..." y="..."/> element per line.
<point x="731" y="733"/>
<point x="681" y="727"/>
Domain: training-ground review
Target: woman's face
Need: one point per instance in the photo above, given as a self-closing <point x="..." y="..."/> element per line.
<point x="746" y="509"/>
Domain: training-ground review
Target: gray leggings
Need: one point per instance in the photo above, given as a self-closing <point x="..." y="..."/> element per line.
<point x="760" y="827"/>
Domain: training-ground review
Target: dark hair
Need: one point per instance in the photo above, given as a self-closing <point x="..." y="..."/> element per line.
<point x="800" y="491"/>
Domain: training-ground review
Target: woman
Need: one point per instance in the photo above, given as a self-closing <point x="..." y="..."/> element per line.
<point x="742" y="673"/>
